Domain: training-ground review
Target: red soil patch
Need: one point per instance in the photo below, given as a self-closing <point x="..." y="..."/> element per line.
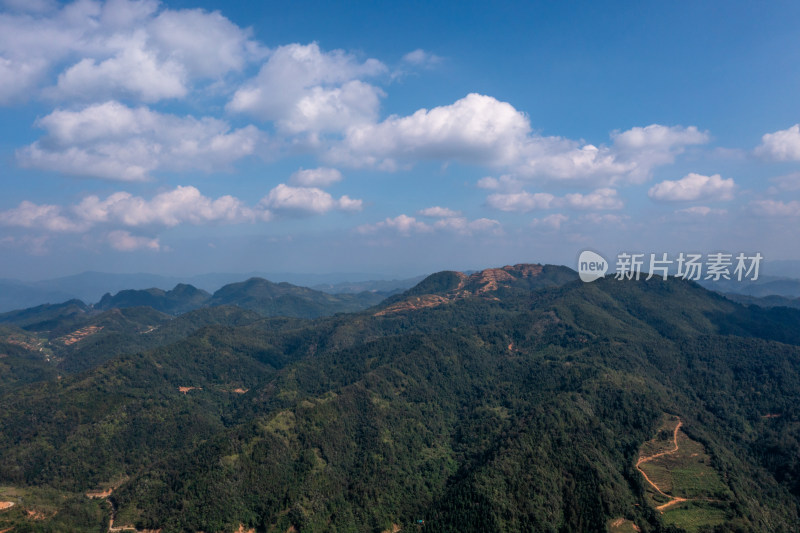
<point x="187" y="389"/>
<point x="79" y="335"/>
<point x="99" y="494"/>
<point x="412" y="304"/>
<point x="6" y="505"/>
<point x="36" y="515"/>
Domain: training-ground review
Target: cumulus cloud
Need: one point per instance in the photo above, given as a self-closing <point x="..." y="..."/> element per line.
<point x="116" y="142"/>
<point x="776" y="208"/>
<point x="520" y="201"/>
<point x="505" y="183"/>
<point x="700" y="210"/>
<point x="524" y="201"/>
<point x="600" y="199"/>
<point x="438" y="212"/>
<point x="306" y="200"/>
<point x="134" y="72"/>
<point x="658" y="138"/>
<point x="468" y="227"/>
<point x="406" y="225"/>
<point x="48" y="217"/>
<point x="554" y="221"/>
<point x="315" y="177"/>
<point x="305" y="89"/>
<point x="125" y="242"/>
<point x="783" y="145"/>
<point x="117" y="49"/>
<point x="602" y="220"/>
<point x="421" y="58"/>
<point x="402" y="224"/>
<point x="170" y="208"/>
<point x="166" y="209"/>
<point x="694" y="187"/>
<point x="787" y="182"/>
<point x="479" y="129"/>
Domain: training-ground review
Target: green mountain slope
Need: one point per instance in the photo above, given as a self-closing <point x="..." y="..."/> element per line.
<point x="179" y="300"/>
<point x="285" y="299"/>
<point x="510" y="400"/>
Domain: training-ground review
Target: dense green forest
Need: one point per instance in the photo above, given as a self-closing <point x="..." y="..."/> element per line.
<point x="514" y="399"/>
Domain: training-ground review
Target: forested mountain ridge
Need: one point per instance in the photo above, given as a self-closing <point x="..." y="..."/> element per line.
<point x="516" y="403"/>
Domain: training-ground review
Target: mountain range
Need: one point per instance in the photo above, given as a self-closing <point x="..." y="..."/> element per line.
<point x="510" y="399"/>
<point x="92" y="286"/>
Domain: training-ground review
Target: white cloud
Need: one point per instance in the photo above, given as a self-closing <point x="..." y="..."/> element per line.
<point x="631" y="157"/>
<point x="134" y="72"/>
<point x="776" y="208"/>
<point x="701" y="210"/>
<point x="520" y="201"/>
<point x="476" y="129"/>
<point x="438" y="212"/>
<point x="48" y="217"/>
<point x="207" y="44"/>
<point x="505" y="182"/>
<point x="284" y="198"/>
<point x="603" y="220"/>
<point x="600" y="199"/>
<point x="117" y="49"/>
<point x="554" y="221"/>
<point x="467" y="227"/>
<point x="421" y="58"/>
<point x="658" y="138"/>
<point x="402" y="224"/>
<point x="479" y="129"/>
<point x="305" y="89"/>
<point x="125" y="242"/>
<point x="694" y="187"/>
<point x="524" y="201"/>
<point x="116" y="142"/>
<point x="346" y="203"/>
<point x="315" y="177"/>
<point x="167" y="209"/>
<point x="783" y="145"/>
<point x="181" y="205"/>
<point x="788" y="182"/>
<point x="406" y="225"/>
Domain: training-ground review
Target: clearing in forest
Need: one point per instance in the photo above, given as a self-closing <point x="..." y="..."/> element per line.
<point x="680" y="480"/>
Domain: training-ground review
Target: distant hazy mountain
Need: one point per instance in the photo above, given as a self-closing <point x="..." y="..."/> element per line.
<point x="764" y="301"/>
<point x="19" y="295"/>
<point x="90" y="287"/>
<point x="179" y="300"/>
<point x="285" y="299"/>
<point x="385" y="286"/>
<point x="764" y="286"/>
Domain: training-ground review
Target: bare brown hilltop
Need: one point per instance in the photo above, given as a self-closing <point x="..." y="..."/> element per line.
<point x="448" y="286"/>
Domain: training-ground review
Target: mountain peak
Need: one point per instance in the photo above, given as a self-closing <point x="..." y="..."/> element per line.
<point x="447" y="286"/>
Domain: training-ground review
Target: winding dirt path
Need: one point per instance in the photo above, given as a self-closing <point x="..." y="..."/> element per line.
<point x="674" y="500"/>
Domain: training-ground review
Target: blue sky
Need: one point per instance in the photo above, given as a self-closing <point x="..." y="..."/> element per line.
<point x="392" y="138"/>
